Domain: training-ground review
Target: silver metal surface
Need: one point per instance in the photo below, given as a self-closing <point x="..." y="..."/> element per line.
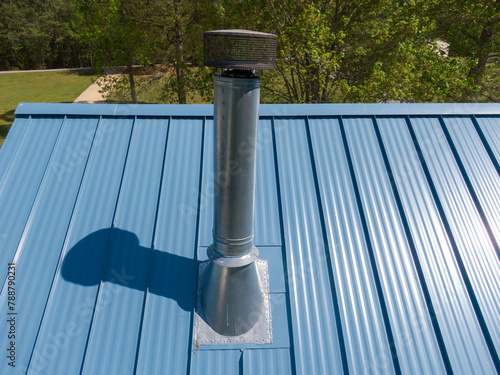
<point x="232" y="296"/>
<point x="225" y="261"/>
<point x="259" y="333"/>
<point x="236" y="117"/>
<point x="239" y="49"/>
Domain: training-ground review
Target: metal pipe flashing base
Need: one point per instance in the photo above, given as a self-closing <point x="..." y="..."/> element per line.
<point x="232" y="298"/>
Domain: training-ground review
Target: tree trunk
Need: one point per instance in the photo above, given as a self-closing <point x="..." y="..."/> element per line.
<point x="129" y="59"/>
<point x="477" y="71"/>
<point x="131" y="80"/>
<point x="179" y="58"/>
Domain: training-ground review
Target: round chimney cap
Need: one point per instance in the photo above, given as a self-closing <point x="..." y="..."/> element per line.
<point x="239" y="49"/>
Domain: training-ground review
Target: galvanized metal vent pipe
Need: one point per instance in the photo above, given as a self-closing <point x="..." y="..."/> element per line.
<point x="231" y="292"/>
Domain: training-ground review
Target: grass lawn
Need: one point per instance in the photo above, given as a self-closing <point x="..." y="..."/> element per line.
<point x="41" y="87"/>
<point x="155" y="88"/>
<point x="158" y="87"/>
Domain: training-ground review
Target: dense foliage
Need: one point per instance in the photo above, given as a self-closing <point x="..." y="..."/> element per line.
<point x="329" y="50"/>
<point x="40" y="34"/>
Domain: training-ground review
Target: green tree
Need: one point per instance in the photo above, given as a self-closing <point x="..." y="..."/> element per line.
<point x="401" y="61"/>
<point x="175" y="28"/>
<point x="114" y="29"/>
<point x="344" y="51"/>
<point x="472" y="28"/>
<point x="309" y="57"/>
<point x="311" y="42"/>
<point x="38" y="34"/>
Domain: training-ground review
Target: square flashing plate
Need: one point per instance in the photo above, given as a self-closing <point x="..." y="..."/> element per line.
<point x="261" y="333"/>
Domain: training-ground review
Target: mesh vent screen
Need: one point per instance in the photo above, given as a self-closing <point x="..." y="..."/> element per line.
<point x="239" y="49"/>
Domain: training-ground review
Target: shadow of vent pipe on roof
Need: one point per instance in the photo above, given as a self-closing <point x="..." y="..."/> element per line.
<point x="115" y="256"/>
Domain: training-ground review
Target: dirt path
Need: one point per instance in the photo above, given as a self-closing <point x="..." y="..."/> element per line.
<point x="94" y="94"/>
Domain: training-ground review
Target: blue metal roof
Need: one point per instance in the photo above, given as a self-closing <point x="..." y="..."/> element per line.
<point x="380" y="224"/>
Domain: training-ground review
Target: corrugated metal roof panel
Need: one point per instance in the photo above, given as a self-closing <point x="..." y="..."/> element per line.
<point x="360" y="309"/>
<point x="207" y="187"/>
<point x="224" y="362"/>
<point x="271" y="361"/>
<point x="117" y="317"/>
<point x="313" y="299"/>
<point x="68" y="315"/>
<point x="378" y="223"/>
<point x="267" y="223"/>
<point x="9" y="148"/>
<point x="411" y="333"/>
<point x="17" y="193"/>
<point x="463" y="341"/>
<point x="478" y="171"/>
<point x="488" y="129"/>
<point x="473" y="247"/>
<point x="39" y="249"/>
<point x="168" y="306"/>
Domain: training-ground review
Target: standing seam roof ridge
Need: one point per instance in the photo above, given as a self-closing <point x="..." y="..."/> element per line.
<point x="48" y="159"/>
<point x="68" y="229"/>
<point x="82" y="222"/>
<point x="107" y="250"/>
<point x="413" y="252"/>
<point x="441" y="272"/>
<point x="197" y="235"/>
<point x="174" y="242"/>
<point x="312" y="200"/>
<point x="486" y="144"/>
<point x="353" y="271"/>
<point x="307" y="281"/>
<point x="48" y="232"/>
<point x="38" y="190"/>
<point x="327" y="249"/>
<point x="406" y="306"/>
<point x="481" y="182"/>
<point x="29" y="216"/>
<point x="266" y="231"/>
<point x="153" y="237"/>
<point x="470" y="187"/>
<point x="15" y="254"/>
<point x="283" y="246"/>
<point x="369" y="245"/>
<point x="8" y="148"/>
<point x="206" y="215"/>
<point x="458" y="257"/>
<point x="138" y="198"/>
